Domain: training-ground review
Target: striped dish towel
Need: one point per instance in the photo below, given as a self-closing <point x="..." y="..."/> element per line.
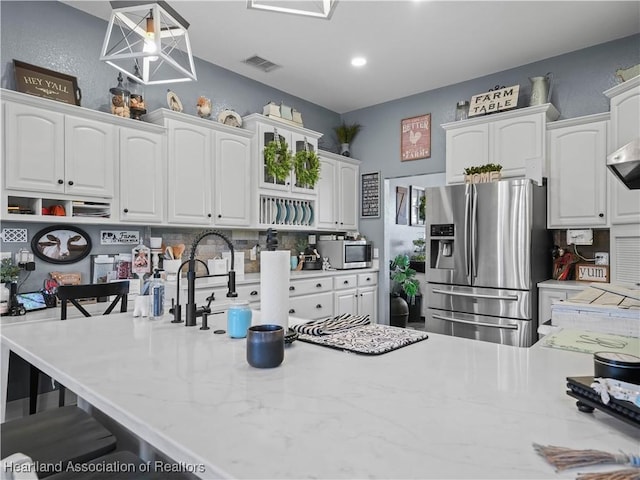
<point x="328" y="326"/>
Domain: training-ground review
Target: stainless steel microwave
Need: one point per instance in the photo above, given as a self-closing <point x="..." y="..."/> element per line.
<point x="346" y="254"/>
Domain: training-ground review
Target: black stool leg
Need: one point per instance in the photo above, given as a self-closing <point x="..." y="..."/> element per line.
<point x="61" y="396"/>
<point x="34" y="375"/>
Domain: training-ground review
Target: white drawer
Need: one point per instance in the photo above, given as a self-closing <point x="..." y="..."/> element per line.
<point x="312" y="307"/>
<point x="342" y="282"/>
<point x="366" y="279"/>
<point x="312" y="285"/>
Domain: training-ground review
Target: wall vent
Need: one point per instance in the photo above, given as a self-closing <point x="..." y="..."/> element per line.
<point x="261" y="63"/>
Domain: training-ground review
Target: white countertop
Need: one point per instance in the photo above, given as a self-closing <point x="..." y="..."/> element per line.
<point x="564" y="285"/>
<point x="443" y="408"/>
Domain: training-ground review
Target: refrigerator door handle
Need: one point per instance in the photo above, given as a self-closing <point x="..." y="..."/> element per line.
<point x="476" y="295"/>
<point x="508" y="326"/>
<point x="474" y="232"/>
<point x="467" y="212"/>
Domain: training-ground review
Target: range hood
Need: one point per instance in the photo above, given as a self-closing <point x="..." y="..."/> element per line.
<point x="625" y="164"/>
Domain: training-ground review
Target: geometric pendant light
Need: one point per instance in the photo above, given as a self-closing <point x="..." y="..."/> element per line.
<point x="152" y="37"/>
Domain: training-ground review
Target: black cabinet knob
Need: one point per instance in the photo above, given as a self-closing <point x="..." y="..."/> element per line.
<point x="601" y="215"/>
<point x="126" y="210"/>
<point x="318" y="306"/>
<point x="60" y="181"/>
<point x="318" y="285"/>
<point x="346" y="282"/>
<point x="209" y="215"/>
<point x="219" y="215"/>
<point x="292" y="288"/>
<point x="368" y="279"/>
<point x="291" y="310"/>
<point x="254" y="293"/>
<point x="70" y="182"/>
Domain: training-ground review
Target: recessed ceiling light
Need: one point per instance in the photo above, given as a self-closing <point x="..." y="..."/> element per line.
<point x="358" y="61"/>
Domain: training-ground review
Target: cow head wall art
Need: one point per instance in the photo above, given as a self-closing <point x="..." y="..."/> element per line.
<point x="61" y="244"/>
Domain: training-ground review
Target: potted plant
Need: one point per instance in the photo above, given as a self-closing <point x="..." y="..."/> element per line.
<point x="418" y="257"/>
<point x="404" y="290"/>
<point x="278" y="159"/>
<point x="346" y="133"/>
<point x="306" y="164"/>
<point x="8" y="274"/>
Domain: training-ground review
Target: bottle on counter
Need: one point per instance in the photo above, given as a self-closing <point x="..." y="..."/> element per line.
<point x="156" y="296"/>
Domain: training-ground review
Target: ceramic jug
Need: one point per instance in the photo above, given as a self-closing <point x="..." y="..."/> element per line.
<point x="540" y="89"/>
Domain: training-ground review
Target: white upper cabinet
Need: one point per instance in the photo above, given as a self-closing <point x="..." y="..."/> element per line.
<point x="511" y="139"/>
<point x="337" y="206"/>
<point x="232" y="180"/>
<point x="142" y="176"/>
<point x="625" y="126"/>
<point x="577" y="185"/>
<point x="52" y="152"/>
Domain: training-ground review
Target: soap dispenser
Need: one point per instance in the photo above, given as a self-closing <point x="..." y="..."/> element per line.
<point x="156" y="297"/>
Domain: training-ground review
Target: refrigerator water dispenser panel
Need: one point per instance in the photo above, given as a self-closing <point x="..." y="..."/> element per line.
<point x="442" y="242"/>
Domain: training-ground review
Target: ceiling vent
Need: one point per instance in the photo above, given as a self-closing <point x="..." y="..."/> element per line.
<point x="261" y="63"/>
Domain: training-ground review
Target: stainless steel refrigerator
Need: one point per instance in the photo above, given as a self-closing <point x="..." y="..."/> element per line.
<point x="487" y="248"/>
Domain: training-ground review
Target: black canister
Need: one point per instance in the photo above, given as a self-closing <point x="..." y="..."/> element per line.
<point x="616" y="365"/>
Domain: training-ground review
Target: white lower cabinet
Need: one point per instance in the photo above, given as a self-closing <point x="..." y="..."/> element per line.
<point x="357" y="295"/>
<point x="311" y="298"/>
<point x="553" y="291"/>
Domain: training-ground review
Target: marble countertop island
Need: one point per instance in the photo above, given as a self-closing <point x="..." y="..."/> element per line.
<point x="443" y="408"/>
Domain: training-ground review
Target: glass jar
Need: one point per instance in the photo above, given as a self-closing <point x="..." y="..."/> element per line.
<point x="462" y="110"/>
<point x="238" y="319"/>
<point x="120" y="99"/>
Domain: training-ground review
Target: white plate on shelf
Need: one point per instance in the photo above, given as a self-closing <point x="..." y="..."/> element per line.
<point x="287" y="219"/>
<point x="274" y="211"/>
<point x="278" y="211"/>
<point x="307" y="214"/>
<point x="300" y="215"/>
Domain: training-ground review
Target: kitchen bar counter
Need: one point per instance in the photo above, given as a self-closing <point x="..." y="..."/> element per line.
<point x="446" y="407"/>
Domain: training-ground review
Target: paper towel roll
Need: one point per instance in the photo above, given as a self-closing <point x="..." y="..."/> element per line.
<point x="274" y="287"/>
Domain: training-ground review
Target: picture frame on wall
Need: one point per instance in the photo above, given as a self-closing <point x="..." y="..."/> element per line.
<point x="45" y="83"/>
<point x="415" y="138"/>
<point x="61" y="244"/>
<point x="418" y="198"/>
<point x="402" y="206"/>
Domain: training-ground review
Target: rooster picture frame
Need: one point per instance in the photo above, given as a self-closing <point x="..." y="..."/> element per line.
<point x="415" y="138"/>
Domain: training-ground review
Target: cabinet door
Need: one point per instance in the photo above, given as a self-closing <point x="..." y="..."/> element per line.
<point x="312" y="306"/>
<point x="516" y="140"/>
<point x="346" y="301"/>
<point x="466" y="147"/>
<point x="577" y="176"/>
<point x="367" y="303"/>
<point x="625" y="255"/>
<point x="546" y="298"/>
<point x="232" y="180"/>
<point x="625" y="125"/>
<point x="189" y="174"/>
<point x="348" y="194"/>
<point x="142" y="167"/>
<point x="90" y="149"/>
<point x="298" y="144"/>
<point x="34" y="142"/>
<point x="327" y="204"/>
<point x="266" y="134"/>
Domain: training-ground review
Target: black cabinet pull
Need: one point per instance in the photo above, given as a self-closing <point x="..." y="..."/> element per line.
<point x="291" y="310"/>
<point x="368" y="279"/>
<point x="318" y="285"/>
<point x="601" y="215"/>
<point x="219" y="215"/>
<point x="254" y="292"/>
<point x="318" y="306"/>
<point x="346" y="282"/>
<point x="70" y="182"/>
<point x="292" y="288"/>
<point x="126" y="210"/>
<point x="209" y="215"/>
<point x="60" y="181"/>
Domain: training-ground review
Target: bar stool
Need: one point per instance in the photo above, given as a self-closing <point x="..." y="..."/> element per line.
<point x="73" y="293"/>
<point x="66" y="434"/>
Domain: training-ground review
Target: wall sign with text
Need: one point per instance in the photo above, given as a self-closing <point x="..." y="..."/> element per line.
<point x="45" y="83"/>
<point x="415" y="138"/>
<point x="370" y="195"/>
<point x="588" y="272"/>
<point x="494" y="101"/>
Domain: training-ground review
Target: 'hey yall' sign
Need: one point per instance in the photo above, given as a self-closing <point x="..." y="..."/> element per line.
<point x="494" y="101"/>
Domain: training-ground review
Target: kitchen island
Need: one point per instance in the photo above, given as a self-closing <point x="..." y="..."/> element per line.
<point x="445" y="407"/>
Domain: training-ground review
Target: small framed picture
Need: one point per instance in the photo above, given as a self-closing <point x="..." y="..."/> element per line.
<point x="418" y="206"/>
<point x="415" y="138"/>
<point x="61" y="244"/>
<point x="45" y="83"/>
<point x="402" y="206"/>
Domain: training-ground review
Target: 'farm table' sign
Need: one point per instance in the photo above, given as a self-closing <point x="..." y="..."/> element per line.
<point x="494" y="101"/>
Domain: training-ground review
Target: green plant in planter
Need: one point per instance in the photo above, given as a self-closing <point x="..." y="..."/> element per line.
<point x="346" y="133"/>
<point x="419" y="252"/>
<point x="489" y="167"/>
<point x="278" y="159"/>
<point x="8" y="271"/>
<point x="306" y="164"/>
<point x="422" y="209"/>
<point x="403" y="277"/>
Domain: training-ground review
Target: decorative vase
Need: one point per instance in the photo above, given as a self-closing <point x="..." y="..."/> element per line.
<point x="398" y="311"/>
<point x="415" y="308"/>
<point x="344" y="150"/>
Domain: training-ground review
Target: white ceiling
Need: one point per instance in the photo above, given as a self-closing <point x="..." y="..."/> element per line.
<point x="411" y="46"/>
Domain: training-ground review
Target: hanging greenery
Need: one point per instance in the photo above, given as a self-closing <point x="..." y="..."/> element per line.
<point x="489" y="167"/>
<point x="278" y="159"/>
<point x="307" y="167"/>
